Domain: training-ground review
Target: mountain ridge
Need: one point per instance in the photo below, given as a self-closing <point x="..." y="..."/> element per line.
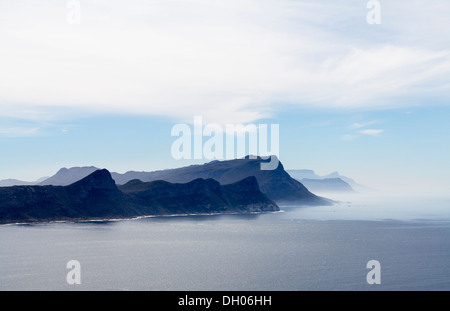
<point x="277" y="184"/>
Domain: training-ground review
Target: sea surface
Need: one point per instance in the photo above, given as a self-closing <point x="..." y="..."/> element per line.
<point x="299" y="248"/>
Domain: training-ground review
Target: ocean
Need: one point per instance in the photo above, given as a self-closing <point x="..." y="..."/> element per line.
<point x="299" y="248"/>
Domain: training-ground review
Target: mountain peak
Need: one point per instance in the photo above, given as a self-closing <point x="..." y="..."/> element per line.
<point x="100" y="179"/>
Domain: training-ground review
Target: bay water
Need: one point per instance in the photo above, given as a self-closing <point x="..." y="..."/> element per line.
<point x="299" y="248"/>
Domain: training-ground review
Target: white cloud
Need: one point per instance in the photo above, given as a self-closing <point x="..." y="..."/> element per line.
<point x="229" y="61"/>
<point x="372" y="132"/>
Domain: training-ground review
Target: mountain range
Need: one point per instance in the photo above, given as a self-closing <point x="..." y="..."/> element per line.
<point x="333" y="182"/>
<point x="216" y="187"/>
<point x="98" y="197"/>
<point x="276" y="184"/>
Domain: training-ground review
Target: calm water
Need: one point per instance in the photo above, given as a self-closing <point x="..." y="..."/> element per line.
<point x="301" y="248"/>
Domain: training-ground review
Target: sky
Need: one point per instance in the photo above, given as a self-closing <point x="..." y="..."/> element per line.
<point x="103" y="83"/>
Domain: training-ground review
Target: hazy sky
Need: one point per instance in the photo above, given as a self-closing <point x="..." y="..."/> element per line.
<point x="369" y="101"/>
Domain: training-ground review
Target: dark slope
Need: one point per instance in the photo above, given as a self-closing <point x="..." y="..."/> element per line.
<point x="207" y="195"/>
<point x="95" y="196"/>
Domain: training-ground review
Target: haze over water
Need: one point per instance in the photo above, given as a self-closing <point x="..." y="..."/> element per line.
<point x="300" y="248"/>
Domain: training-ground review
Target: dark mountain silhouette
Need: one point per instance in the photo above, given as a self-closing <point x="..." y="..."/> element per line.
<point x="95" y="196"/>
<point x="98" y="197"/>
<point x="207" y="195"/>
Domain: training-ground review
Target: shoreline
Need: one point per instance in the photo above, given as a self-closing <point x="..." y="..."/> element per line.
<point x="130" y="218"/>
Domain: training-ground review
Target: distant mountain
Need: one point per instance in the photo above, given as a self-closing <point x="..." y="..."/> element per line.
<point x="303" y="174"/>
<point x="67" y="176"/>
<point x="97" y="197"/>
<point x="356" y="186"/>
<point x="16" y="182"/>
<point x="327" y="185"/>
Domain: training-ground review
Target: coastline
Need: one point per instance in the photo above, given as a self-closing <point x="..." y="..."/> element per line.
<point x="93" y="220"/>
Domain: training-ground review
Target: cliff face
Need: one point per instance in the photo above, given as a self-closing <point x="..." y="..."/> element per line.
<point x="97" y="197"/>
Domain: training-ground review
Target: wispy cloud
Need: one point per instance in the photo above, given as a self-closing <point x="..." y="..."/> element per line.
<point x="358" y="125"/>
<point x="35" y="128"/>
<point x="229" y="61"/>
<point x="357" y="130"/>
<point x="371" y="132"/>
<point x="13" y="132"/>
